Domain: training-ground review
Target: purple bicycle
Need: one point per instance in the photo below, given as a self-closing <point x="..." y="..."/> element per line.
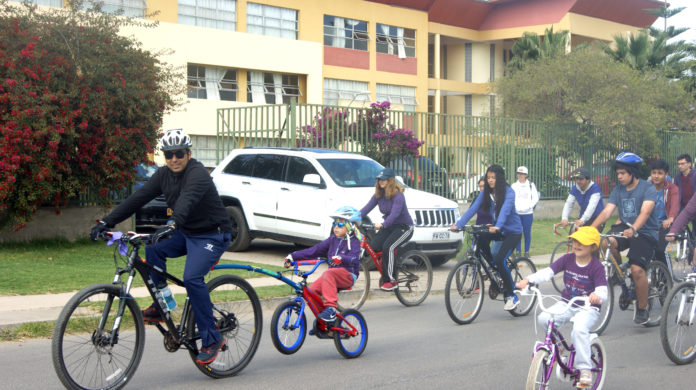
<point x="556" y="352"/>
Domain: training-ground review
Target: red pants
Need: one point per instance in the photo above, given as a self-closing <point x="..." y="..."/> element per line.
<point x="329" y="282"/>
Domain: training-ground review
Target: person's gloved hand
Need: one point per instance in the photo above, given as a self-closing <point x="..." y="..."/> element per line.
<point x="335" y="261"/>
<point x="162" y="233"/>
<point x="288" y="261"/>
<point x="98" y="229"/>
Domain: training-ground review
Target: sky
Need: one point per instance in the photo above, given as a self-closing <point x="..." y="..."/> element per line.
<point x="686" y="18"/>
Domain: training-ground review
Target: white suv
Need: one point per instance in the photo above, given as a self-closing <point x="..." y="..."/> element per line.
<point x="288" y="195"/>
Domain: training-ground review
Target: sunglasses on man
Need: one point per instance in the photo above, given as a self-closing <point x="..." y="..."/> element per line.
<point x="181" y="153"/>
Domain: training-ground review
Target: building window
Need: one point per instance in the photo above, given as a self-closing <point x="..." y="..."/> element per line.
<point x="212" y="83"/>
<point x="272" y="88"/>
<point x="204" y="149"/>
<point x="345" y="33"/>
<point x="398" y="94"/>
<point x="272" y="21"/>
<point x="130" y="8"/>
<point x="342" y="91"/>
<point x="220" y="14"/>
<point x="48" y="3"/>
<point x="396" y="40"/>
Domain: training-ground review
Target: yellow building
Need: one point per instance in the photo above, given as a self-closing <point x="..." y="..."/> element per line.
<point x="421" y="55"/>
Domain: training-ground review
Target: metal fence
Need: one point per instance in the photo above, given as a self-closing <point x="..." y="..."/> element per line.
<point x="457" y="148"/>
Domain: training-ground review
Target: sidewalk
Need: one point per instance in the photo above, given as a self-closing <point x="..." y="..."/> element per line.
<point x="19" y="309"/>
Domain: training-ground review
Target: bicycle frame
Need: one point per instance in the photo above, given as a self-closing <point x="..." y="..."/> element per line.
<point x="554" y="338"/>
<point x="492" y="273"/>
<point x="305" y="296"/>
<point x="134" y="264"/>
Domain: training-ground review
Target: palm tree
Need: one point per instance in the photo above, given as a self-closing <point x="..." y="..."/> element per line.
<point x="531" y="47"/>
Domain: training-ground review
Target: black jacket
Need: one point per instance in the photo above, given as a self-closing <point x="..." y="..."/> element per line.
<point x="191" y="194"/>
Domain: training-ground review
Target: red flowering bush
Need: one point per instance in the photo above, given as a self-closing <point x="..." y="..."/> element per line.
<point x="80" y="106"/>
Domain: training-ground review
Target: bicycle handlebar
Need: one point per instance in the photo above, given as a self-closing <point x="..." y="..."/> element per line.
<point x="532" y="290"/>
<point x="315" y="262"/>
<point x="129" y="236"/>
<point x="573" y="228"/>
<point x="620" y="234"/>
<point x="472" y="229"/>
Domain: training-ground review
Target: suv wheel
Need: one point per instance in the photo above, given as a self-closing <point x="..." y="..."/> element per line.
<point x="241" y="240"/>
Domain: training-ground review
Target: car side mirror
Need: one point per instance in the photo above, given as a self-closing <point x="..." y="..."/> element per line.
<point x="312" y="179"/>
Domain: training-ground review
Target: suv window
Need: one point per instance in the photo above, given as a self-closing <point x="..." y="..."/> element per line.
<point x="352" y="172"/>
<point x="269" y="166"/>
<point x="298" y="167"/>
<point x="241" y="165"/>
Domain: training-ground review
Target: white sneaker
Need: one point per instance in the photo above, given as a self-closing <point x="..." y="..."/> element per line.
<point x="511" y="302"/>
<point x="585" y="379"/>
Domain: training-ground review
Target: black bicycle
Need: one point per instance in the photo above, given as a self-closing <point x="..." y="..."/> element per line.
<point x="464" y="289"/>
<point x="99" y="337"/>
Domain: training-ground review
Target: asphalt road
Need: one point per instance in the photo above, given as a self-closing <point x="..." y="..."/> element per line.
<point x="408" y="348"/>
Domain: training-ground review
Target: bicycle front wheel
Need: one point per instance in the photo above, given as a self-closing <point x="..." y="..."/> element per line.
<point x="521" y="268"/>
<point x="540" y="372"/>
<point x="349" y="346"/>
<point x="415" y="278"/>
<point x="286" y="336"/>
<point x="677" y="332"/>
<point x="606" y="312"/>
<point x="238" y="317"/>
<point x="659" y="284"/>
<point x="90" y="349"/>
<point x="464" y="292"/>
<point x="598" y="357"/>
<point x="561" y="249"/>
<point x="356" y="296"/>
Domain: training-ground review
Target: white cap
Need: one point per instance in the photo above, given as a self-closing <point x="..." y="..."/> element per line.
<point x="523" y="169"/>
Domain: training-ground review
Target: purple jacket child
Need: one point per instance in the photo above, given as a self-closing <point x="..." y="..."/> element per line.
<point x="348" y="248"/>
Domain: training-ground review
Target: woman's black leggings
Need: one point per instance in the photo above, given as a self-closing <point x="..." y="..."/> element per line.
<point x="387" y="240"/>
<point x="509" y="243"/>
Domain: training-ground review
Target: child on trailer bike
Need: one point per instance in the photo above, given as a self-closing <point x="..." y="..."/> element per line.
<point x="342" y="249"/>
<point x="583" y="276"/>
<point x="499" y="198"/>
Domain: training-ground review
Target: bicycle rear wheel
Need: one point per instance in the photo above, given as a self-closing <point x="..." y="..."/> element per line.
<point x="606" y="312"/>
<point x="84" y="355"/>
<point x="659" y="284"/>
<point x="540" y="371"/>
<point x="415" y="278"/>
<point x="357" y="295"/>
<point x="351" y="347"/>
<point x="464" y="292"/>
<point x="520" y="268"/>
<point x="677" y="333"/>
<point x="561" y="249"/>
<point x="238" y="316"/>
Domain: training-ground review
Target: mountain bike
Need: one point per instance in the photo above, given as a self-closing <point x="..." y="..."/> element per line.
<point x="464" y="289"/>
<point x="678" y="324"/>
<point x="414" y="273"/>
<point x="659" y="284"/>
<point x="99" y="336"/>
<point x="555" y="350"/>
<point x="562" y="248"/>
<point x="680" y="255"/>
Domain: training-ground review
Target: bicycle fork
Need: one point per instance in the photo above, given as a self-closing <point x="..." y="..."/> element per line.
<point x="683" y="306"/>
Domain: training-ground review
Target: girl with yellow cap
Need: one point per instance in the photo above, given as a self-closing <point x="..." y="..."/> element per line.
<point x="583" y="276"/>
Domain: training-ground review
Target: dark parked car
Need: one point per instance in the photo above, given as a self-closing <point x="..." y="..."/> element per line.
<point x="423" y="174"/>
<point x="155" y="213"/>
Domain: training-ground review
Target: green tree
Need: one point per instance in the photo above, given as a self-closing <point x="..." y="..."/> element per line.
<point x="530" y="47"/>
<point x="80" y="106"/>
<point x="612" y="105"/>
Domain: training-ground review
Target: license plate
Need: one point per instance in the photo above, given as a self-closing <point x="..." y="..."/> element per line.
<point x="441" y="236"/>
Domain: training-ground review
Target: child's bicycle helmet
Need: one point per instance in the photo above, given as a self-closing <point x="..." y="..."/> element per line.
<point x="348" y="213"/>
